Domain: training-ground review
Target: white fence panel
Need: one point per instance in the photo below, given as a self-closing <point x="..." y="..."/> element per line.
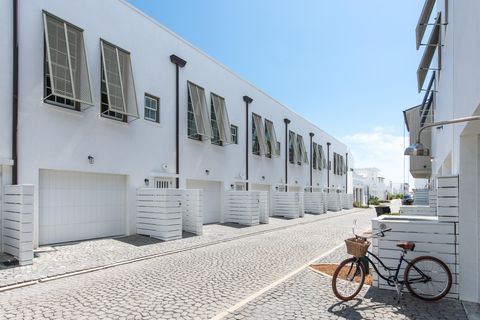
<point x="264" y="210"/>
<point x="314" y="202"/>
<point x="430" y="236"/>
<point x="287" y="204"/>
<point x="447" y="199"/>
<point x="347" y="201"/>
<point x="242" y="207"/>
<point x="420" y="197"/>
<point x="418" y="211"/>
<point x="334" y="201"/>
<point x="192" y="211"/>
<point x="18" y="222"/>
<point x="159" y="213"/>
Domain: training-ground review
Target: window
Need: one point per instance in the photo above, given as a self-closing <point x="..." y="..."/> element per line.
<point x="323" y="159"/>
<point x="259" y="146"/>
<point x="302" y="153"/>
<point x="234" y="130"/>
<point x="315" y="156"/>
<point x="215" y="128"/>
<point x="220" y="122"/>
<point x="198" y="121"/>
<point x="119" y="100"/>
<point x="271" y="139"/>
<point x="334" y="163"/>
<point x="152" y="108"/>
<point x="292" y="147"/>
<point x="163" y="183"/>
<point x="67" y="81"/>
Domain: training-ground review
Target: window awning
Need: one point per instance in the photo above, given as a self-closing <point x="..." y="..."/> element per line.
<point x="293" y="144"/>
<point x="223" y="122"/>
<point x="260" y="132"/>
<point x="315" y="157"/>
<point x="427" y="101"/>
<point x="66" y="59"/>
<point x="433" y="43"/>
<point x="303" y="156"/>
<point x="423" y="21"/>
<point x="118" y="74"/>
<point x="323" y="158"/>
<point x="272" y="136"/>
<point x="200" y="110"/>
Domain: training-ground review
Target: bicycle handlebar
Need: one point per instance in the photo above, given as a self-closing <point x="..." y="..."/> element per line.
<point x="380" y="234"/>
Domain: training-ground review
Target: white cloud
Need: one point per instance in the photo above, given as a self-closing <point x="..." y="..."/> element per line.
<point x="379" y="148"/>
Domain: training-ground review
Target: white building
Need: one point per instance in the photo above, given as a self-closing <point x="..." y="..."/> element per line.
<point x="372" y="181"/>
<point x="449" y="80"/>
<point x="96" y="118"/>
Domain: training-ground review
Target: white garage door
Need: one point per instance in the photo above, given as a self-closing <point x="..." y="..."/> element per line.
<point x="77" y="206"/>
<point x="212" y="199"/>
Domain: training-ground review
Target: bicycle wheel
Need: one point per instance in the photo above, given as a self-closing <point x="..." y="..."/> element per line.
<point x="438" y="281"/>
<point x="348" y="279"/>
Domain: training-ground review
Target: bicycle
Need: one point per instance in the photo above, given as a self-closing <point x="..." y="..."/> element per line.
<point x="426" y="277"/>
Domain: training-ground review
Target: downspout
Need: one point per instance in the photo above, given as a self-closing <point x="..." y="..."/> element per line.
<point x="287" y="121"/>
<point x="311" y="161"/>
<point x="346" y="173"/>
<point x="15" y="94"/>
<point x="179" y="63"/>
<point x="328" y="166"/>
<point x="247" y="100"/>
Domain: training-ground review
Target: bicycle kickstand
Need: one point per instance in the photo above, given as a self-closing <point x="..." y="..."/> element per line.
<point x="399" y="289"/>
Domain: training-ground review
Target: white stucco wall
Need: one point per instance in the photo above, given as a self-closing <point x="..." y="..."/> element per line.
<point x="56" y="138"/>
<point x="5" y="79"/>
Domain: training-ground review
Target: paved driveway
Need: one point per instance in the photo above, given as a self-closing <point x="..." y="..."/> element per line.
<point x="196" y="284"/>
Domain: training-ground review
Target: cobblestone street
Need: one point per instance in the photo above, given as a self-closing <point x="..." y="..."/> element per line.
<point x="205" y="282"/>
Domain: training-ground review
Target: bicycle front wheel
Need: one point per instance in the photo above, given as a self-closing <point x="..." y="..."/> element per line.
<point x="348" y="279"/>
<point x="428" y="278"/>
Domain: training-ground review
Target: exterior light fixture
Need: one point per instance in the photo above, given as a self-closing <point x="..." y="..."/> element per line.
<point x="263" y="177"/>
<point x="296" y="182"/>
<point x="207" y="172"/>
<point x="91" y="159"/>
<point x="418" y="149"/>
<point x="232" y="186"/>
<point x="147" y="182"/>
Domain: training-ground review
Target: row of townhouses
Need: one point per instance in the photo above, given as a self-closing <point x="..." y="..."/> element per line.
<point x="447" y="122"/>
<point x="98" y="100"/>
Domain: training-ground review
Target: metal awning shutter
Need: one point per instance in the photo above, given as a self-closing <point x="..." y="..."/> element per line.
<point x="427" y="57"/>
<point x="423" y="21"/>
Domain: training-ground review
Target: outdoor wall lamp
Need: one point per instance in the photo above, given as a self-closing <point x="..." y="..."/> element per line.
<point x="232" y="186"/>
<point x="91" y="159"/>
<point x="207" y="172"/>
<point x="418" y="149"/>
<point x="296" y="182"/>
<point x="147" y="182"/>
<point x="263" y="177"/>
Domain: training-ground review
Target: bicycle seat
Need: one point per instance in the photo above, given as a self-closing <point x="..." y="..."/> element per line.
<point x="406" y="245"/>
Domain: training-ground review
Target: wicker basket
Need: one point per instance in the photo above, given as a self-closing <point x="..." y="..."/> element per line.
<point x="357" y="247"/>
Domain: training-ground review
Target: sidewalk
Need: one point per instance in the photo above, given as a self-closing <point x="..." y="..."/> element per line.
<point x="58" y="260"/>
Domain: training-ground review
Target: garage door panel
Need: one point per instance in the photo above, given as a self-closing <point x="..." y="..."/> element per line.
<point x="76" y="206"/>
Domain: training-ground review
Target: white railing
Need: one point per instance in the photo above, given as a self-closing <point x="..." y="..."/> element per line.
<point x="159" y="213"/>
<point x="242" y="207"/>
<point x="288" y="204"/>
<point x="18" y="222"/>
<point x="192" y="211"/>
<point x="431" y="237"/>
<point x="314" y="202"/>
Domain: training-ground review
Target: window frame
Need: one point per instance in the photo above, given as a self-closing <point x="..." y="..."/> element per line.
<point x="271" y="138"/>
<point x="157" y="111"/>
<point x="199" y="110"/>
<point x="234" y="135"/>
<point x="258" y="132"/>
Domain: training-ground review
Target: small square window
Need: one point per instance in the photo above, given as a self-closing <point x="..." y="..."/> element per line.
<point x="234" y="130"/>
<point x="152" y="108"/>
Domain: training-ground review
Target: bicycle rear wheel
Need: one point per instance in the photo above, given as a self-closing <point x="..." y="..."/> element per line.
<point x="428" y="278"/>
<point x="348" y="279"/>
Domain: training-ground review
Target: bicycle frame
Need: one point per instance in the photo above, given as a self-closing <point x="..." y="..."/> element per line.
<point x="392" y="280"/>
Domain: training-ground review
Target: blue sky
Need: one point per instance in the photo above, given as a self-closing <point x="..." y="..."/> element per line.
<point x="347" y="65"/>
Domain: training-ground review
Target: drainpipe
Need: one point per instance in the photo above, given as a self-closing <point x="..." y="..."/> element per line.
<point x="247" y="100"/>
<point x="15" y="94"/>
<point x="328" y="165"/>
<point x="179" y="63"/>
<point x="311" y="161"/>
<point x="346" y="173"/>
<point x="287" y="121"/>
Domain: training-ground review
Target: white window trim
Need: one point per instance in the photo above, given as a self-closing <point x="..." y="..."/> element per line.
<point x="66" y="25"/>
<point x="156" y="110"/>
